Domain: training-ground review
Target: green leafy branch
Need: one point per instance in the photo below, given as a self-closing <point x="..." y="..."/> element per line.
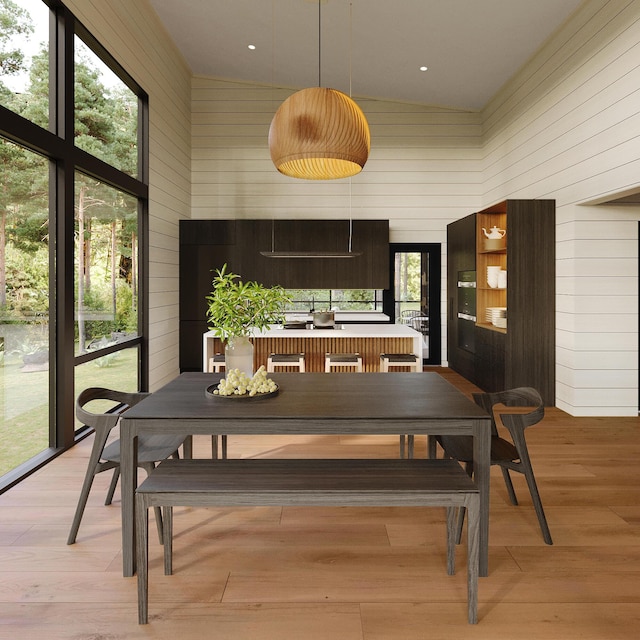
<point x="236" y="308"/>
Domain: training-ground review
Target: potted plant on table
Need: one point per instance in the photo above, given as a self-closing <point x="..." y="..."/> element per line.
<point x="237" y="309"/>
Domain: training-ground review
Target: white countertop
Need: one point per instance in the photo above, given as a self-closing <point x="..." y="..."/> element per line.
<point x="345" y="331"/>
<point x="340" y="316"/>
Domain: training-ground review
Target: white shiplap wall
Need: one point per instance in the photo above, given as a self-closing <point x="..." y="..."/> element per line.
<point x="568" y="127"/>
<point x="133" y="35"/>
<point x="423" y="171"/>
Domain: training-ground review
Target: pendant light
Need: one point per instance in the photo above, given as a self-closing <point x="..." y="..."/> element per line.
<point x="319" y="133"/>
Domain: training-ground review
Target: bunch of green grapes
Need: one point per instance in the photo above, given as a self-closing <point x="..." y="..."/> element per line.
<point x="238" y="383"/>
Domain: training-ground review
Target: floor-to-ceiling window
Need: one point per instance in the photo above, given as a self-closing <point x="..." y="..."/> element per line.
<point x="73" y="203"/>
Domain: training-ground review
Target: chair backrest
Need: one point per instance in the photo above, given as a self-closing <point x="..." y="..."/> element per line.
<point x="516" y="423"/>
<point x="101" y="422"/>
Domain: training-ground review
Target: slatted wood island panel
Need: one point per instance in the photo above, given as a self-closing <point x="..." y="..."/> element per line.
<point x="370" y="340"/>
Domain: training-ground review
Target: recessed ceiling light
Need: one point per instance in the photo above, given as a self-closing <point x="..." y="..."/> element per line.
<point x="423" y="68"/>
<point x="252" y="47"/>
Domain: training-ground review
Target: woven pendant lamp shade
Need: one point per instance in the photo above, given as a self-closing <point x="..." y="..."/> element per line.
<point x="319" y="134"/>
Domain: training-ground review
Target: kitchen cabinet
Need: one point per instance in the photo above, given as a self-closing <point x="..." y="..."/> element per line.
<point x="522" y="353"/>
<point x="206" y="245"/>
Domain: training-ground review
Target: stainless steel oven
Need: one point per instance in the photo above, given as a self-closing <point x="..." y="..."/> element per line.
<point x="467" y="310"/>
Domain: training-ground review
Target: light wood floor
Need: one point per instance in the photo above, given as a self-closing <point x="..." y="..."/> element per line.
<point x="340" y="574"/>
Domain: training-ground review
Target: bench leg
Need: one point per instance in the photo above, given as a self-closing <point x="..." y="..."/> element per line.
<point x="142" y="559"/>
<point x="167" y="513"/>
<point x="473" y="556"/>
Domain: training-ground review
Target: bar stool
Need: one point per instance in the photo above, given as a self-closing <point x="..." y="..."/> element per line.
<point x="343" y="360"/>
<point x="285" y="360"/>
<point x="411" y="360"/>
<point x="217" y="363"/>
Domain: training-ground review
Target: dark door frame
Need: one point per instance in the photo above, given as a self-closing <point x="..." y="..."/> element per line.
<point x="433" y="252"/>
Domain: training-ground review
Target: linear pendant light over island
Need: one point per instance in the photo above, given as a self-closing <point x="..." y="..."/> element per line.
<point x="311" y="254"/>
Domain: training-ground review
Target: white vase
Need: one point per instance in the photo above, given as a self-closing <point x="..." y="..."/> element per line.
<point x="238" y="354"/>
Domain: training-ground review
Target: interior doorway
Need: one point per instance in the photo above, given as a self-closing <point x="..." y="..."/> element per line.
<point x="414" y="296"/>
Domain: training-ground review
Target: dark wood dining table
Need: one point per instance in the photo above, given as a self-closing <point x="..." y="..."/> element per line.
<point x="310" y="404"/>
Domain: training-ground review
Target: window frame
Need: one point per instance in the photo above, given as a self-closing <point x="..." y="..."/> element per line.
<point x="65" y="159"/>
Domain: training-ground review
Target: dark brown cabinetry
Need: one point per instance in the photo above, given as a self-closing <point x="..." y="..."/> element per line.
<point x="523" y="352"/>
<point x="206" y="245"/>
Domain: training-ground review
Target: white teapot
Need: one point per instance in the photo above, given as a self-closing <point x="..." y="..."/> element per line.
<point x="494" y="233"/>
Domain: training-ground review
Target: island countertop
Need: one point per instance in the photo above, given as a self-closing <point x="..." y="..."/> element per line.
<point x="351" y="317"/>
<point x="370" y="340"/>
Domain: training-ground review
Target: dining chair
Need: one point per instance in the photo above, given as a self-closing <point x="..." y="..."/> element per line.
<point x="151" y="448"/>
<point x="510" y="455"/>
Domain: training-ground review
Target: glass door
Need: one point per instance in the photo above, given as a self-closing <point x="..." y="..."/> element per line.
<point x="414" y="297"/>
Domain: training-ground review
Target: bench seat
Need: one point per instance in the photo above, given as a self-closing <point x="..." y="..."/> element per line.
<point x="307" y="482"/>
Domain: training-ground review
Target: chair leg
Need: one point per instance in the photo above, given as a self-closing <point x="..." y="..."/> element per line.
<point x="112" y="486"/>
<point x="510" y="489"/>
<point x="537" y="503"/>
<point x="410" y="442"/>
<point x="92" y="469"/>
<point x="214" y="447"/>
<point x="148" y="467"/>
<point x="82" y="503"/>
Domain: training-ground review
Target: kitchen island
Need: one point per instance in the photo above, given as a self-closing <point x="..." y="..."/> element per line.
<point x="370" y="340"/>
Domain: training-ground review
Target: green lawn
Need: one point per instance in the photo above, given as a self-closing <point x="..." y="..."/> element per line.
<point x="24" y="402"/>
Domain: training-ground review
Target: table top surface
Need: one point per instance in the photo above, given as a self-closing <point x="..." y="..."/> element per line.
<point x="375" y="397"/>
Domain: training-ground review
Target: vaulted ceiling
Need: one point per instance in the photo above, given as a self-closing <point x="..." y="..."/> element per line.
<point x="366" y="48"/>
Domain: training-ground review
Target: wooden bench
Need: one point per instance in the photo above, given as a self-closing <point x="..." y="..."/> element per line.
<point x="307" y="482"/>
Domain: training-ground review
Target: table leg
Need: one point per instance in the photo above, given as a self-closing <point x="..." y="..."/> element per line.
<point x="481" y="471"/>
<point x="128" y="466"/>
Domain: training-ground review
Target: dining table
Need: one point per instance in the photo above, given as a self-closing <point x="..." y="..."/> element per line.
<point x="398" y="403"/>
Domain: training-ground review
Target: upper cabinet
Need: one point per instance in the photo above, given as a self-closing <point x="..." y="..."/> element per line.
<point x="241" y="243"/>
<point x="509" y="340"/>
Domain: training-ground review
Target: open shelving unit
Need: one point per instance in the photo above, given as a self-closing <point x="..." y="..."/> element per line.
<point x="487" y="296"/>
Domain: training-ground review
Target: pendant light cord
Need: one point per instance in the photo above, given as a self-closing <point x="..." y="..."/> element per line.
<point x="350" y="44"/>
<point x="350" y="182"/>
<point x="319" y="42"/>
